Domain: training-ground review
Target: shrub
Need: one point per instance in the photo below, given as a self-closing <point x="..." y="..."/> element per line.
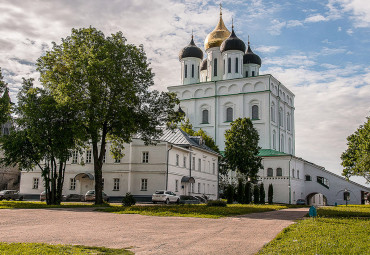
<point x="262" y="194"/>
<point x="219" y="203"/>
<point x="240" y="192"/>
<point x="256" y="194"/>
<point x="270" y="193"/>
<point x="230" y="194"/>
<point x="128" y="200"/>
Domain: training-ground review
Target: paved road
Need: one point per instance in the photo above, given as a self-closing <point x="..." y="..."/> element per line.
<point x="146" y="234"/>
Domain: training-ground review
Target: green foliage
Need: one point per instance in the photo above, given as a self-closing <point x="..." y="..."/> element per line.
<point x="106" y="82"/>
<point x="356" y="159"/>
<point x="345" y="211"/>
<point x="45" y="134"/>
<point x="200" y="210"/>
<point x="240" y="192"/>
<point x="241" y="147"/>
<point x="262" y="194"/>
<point x="219" y="203"/>
<point x="42" y="248"/>
<point x="256" y="194"/>
<point x="230" y="193"/>
<point x="5" y="104"/>
<point x="248" y="193"/>
<point x="128" y="200"/>
<point x="270" y="194"/>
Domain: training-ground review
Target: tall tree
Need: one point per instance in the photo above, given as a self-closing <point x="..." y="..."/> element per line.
<point x="248" y="193"/>
<point x="241" y="148"/>
<point x="240" y="191"/>
<point x="270" y="194"/>
<point x="5" y="105"/>
<point x="106" y="81"/>
<point x="256" y="194"/>
<point x="356" y="159"/>
<point x="262" y="194"/>
<point x="44" y="135"/>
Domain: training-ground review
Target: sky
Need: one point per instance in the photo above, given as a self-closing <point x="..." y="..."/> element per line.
<point x="319" y="49"/>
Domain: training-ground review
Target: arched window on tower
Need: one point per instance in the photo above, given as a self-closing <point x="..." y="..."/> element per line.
<point x="288" y="121"/>
<point x="229" y="114"/>
<point x="186" y="71"/>
<point x="192" y="71"/>
<point x="205" y="117"/>
<point x="274" y="140"/>
<point x="273" y="112"/>
<point x="282" y="143"/>
<point x="215" y="67"/>
<point x="255" y="112"/>
<point x="224" y="66"/>
<point x="229" y="65"/>
<point x="236" y="65"/>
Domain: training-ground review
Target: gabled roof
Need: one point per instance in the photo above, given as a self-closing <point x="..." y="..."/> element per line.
<point x="181" y="138"/>
<point x="271" y="153"/>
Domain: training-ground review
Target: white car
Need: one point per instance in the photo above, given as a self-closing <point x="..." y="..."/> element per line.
<point x="165" y="196"/>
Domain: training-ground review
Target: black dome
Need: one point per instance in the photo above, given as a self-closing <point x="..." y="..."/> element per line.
<point x="203" y="65"/>
<point x="251" y="58"/>
<point x="191" y="51"/>
<point x="232" y="43"/>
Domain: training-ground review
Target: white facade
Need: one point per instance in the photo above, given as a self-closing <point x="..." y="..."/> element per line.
<point x="141" y="171"/>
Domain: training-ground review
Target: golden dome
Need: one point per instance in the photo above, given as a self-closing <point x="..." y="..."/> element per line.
<point x="217" y="36"/>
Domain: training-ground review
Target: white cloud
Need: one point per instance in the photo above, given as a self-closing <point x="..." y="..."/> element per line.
<point x="267" y="49"/>
<point x="339" y="29"/>
<point x="349" y="31"/>
<point x="276" y="27"/>
<point x="315" y="18"/>
<point x="294" y="23"/>
<point x="359" y="10"/>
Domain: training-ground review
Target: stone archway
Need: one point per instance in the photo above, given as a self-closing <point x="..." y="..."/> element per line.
<point x="317" y="199"/>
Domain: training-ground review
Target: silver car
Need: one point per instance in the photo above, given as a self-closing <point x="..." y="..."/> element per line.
<point x="10" y="194"/>
<point x="165" y="196"/>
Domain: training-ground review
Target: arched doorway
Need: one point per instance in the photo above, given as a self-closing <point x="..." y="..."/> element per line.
<point x="317" y="199"/>
<point x="86" y="182"/>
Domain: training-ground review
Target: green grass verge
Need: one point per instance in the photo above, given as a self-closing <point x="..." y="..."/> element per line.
<point x="200" y="211"/>
<point x="37" y="205"/>
<point x="41" y="248"/>
<point x="337" y="230"/>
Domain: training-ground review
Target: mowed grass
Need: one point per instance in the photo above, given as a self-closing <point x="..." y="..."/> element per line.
<point x="200" y="211"/>
<point x="41" y="248"/>
<point x="39" y="205"/>
<point x="337" y="230"/>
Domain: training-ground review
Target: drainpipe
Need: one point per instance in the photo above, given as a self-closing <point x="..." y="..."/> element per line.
<point x="215" y="113"/>
<point x="269" y="109"/>
<point x="168" y="152"/>
<point x="290" y="187"/>
<point x="278" y="121"/>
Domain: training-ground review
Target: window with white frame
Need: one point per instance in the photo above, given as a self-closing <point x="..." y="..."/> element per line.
<point x="176" y="185"/>
<point x="177" y="159"/>
<point x="273" y="112"/>
<point x="270" y="172"/>
<point x="199" y="165"/>
<point x="229" y="114"/>
<point x="279" y="171"/>
<point x="116" y="184"/>
<point x="72" y="183"/>
<point x="215" y="67"/>
<point x="274" y="140"/>
<point x="255" y="115"/>
<point x="205" y="116"/>
<point x="144" y="184"/>
<point x="288" y="122"/>
<point x="184" y="163"/>
<point x="186" y="71"/>
<point x="293" y="173"/>
<point x="74" y="157"/>
<point x="35" y="183"/>
<point x="236" y="65"/>
<point x="146" y="157"/>
<point x="229" y="65"/>
<point x="282" y="143"/>
<point x="297" y="174"/>
<point x="192" y="71"/>
<point x="88" y="156"/>
<point x="193" y="167"/>
<point x="281" y="121"/>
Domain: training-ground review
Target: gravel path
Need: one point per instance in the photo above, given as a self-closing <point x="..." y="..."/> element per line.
<point x="146" y="234"/>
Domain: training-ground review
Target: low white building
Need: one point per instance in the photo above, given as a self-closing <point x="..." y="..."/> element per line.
<point x="179" y="163"/>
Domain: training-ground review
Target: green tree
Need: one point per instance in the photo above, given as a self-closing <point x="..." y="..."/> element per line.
<point x="5" y="104"/>
<point x="240" y="191"/>
<point x="356" y="159"/>
<point x="44" y="136"/>
<point x="270" y="194"/>
<point x="256" y="194"/>
<point x="248" y="193"/>
<point x="106" y="82"/>
<point x="241" y="148"/>
<point x="230" y="193"/>
<point x="262" y="194"/>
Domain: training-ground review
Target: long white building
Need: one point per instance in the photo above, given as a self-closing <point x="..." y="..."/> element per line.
<point x="179" y="163"/>
<point x="226" y="85"/>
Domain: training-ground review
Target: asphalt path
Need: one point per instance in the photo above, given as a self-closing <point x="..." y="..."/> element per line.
<point x="244" y="234"/>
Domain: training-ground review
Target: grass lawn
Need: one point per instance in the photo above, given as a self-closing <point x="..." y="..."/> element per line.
<point x="337" y="230"/>
<point x="200" y="211"/>
<point x="41" y="248"/>
<point x="36" y="205"/>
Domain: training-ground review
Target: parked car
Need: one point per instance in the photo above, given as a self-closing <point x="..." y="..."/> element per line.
<point x="43" y="196"/>
<point x="301" y="202"/>
<point x="10" y="194"/>
<point x="75" y="198"/>
<point x="165" y="196"/>
<point x="90" y="196"/>
<point x="189" y="200"/>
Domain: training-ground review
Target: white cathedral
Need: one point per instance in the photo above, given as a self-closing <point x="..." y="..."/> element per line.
<point x="227" y="85"/>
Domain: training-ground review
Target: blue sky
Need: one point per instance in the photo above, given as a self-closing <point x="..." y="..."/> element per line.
<point x="318" y="49"/>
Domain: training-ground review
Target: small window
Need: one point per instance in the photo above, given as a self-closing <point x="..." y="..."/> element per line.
<point x="35" y="183"/>
<point x="293" y="173"/>
<point x="145" y="157"/>
<point x="214" y="168"/>
<point x="193" y="167"/>
<point x="186" y="71"/>
<point x="270" y="172"/>
<point x="281" y="122"/>
<point x="192" y="71"/>
<point x="237" y="65"/>
<point x="74" y="157"/>
<point x="198" y="187"/>
<point x="274" y="140"/>
<point x="199" y="165"/>
<point x="253" y="73"/>
<point x="205" y="117"/>
<point x="144" y="184"/>
<point x="184" y="163"/>
<point x="229" y="65"/>
<point x="308" y="178"/>
<point x="177" y="159"/>
<point x="288" y="122"/>
<point x="255" y="112"/>
<point x="246" y="74"/>
<point x="117" y="160"/>
<point x="215" y="67"/>
<point x="279" y="171"/>
<point x="297" y="174"/>
<point x="273" y="112"/>
<point x="176" y="185"/>
<point x="88" y="156"/>
<point x="229" y="114"/>
<point x="115" y="184"/>
<point x="72" y="184"/>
